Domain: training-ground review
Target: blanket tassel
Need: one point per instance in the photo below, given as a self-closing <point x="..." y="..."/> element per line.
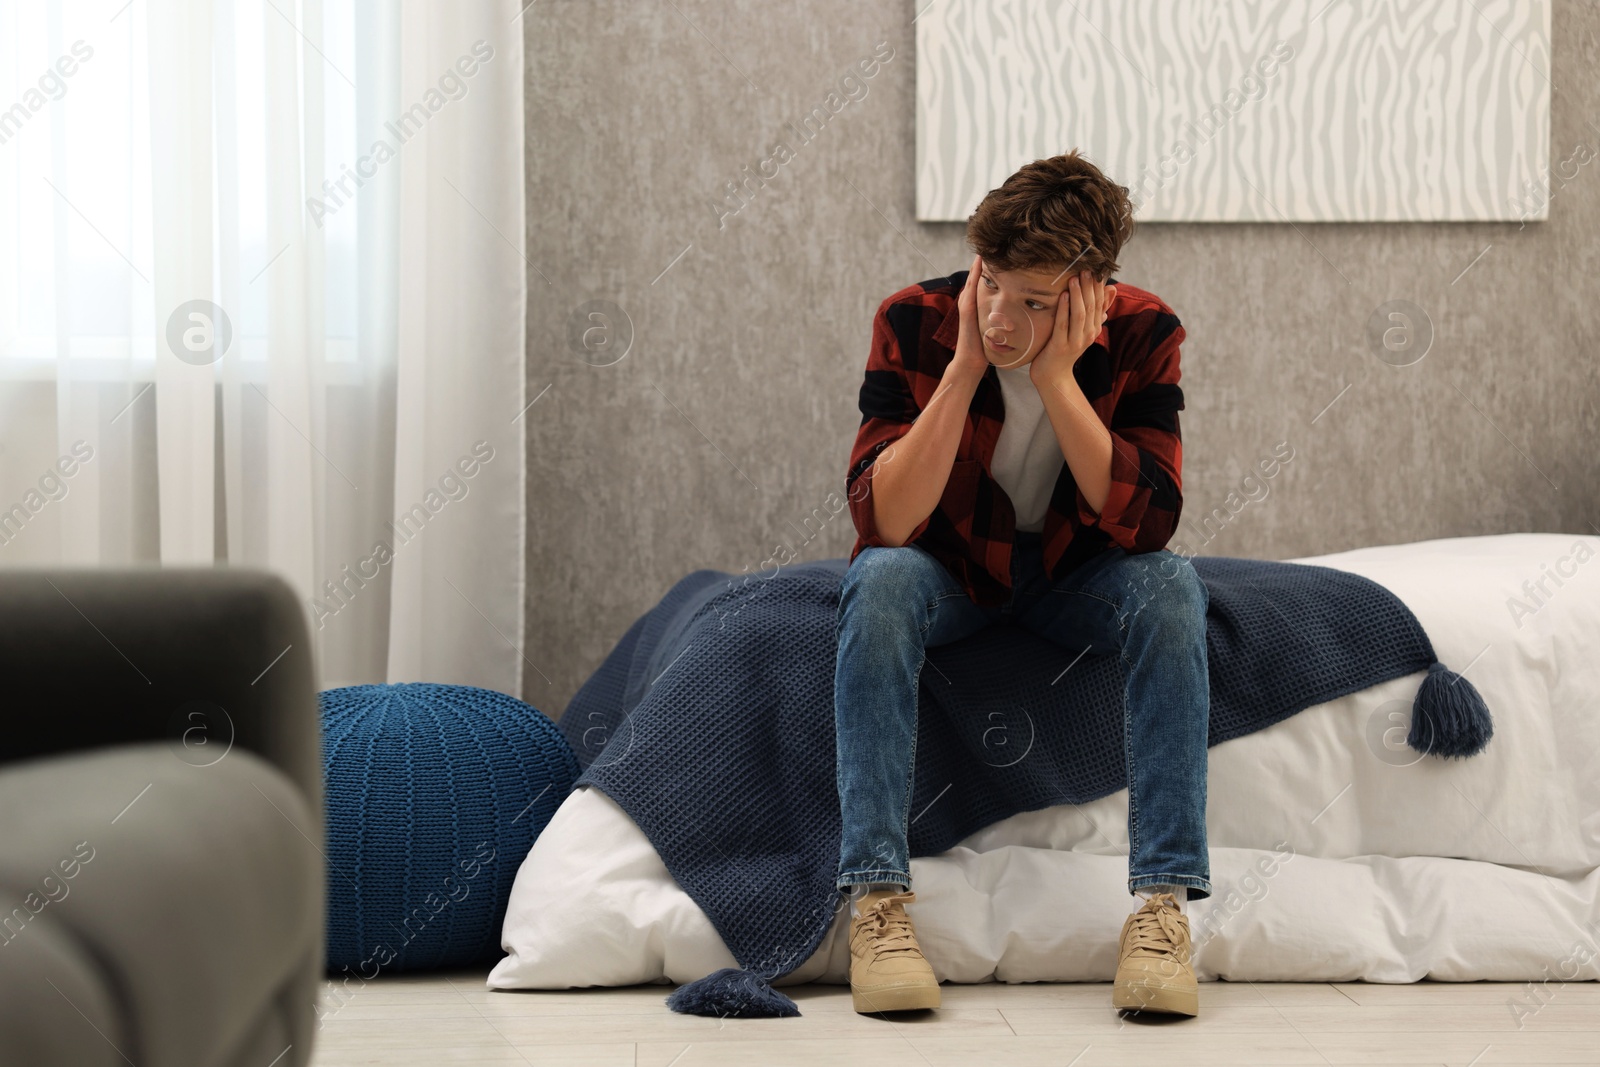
<point x="1449" y="717"/>
<point x="731" y="993"/>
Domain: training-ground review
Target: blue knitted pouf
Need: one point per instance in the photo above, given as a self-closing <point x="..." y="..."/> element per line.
<point x="435" y="794"/>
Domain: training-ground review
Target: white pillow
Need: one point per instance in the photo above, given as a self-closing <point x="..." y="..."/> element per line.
<point x="600" y="909"/>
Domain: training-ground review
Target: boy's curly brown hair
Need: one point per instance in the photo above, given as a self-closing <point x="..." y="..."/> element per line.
<point x="1059" y="213"/>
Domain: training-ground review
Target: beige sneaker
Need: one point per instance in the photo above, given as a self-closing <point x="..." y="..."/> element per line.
<point x="1154" y="969"/>
<point x="887" y="969"/>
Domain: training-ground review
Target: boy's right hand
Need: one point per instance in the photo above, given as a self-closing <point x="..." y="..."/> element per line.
<point x="969" y="356"/>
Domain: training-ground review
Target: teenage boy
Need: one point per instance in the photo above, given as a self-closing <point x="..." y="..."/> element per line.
<point x="1018" y="461"/>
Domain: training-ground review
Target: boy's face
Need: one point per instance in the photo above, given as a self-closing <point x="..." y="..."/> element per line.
<point x="1017" y="312"/>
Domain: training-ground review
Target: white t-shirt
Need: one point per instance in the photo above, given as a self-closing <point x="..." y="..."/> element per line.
<point x="1027" y="457"/>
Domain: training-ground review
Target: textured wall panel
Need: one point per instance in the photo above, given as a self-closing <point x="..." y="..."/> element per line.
<point x="1241" y="111"/>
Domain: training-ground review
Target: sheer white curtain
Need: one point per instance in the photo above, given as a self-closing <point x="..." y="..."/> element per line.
<point x="262" y="296"/>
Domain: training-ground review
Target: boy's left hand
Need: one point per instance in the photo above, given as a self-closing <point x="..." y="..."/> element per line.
<point x="1080" y="314"/>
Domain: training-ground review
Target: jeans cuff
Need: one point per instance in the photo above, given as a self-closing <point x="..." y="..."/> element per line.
<point x="1199" y="887"/>
<point x="851" y="878"/>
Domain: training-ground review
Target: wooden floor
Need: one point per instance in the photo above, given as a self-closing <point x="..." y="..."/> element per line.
<point x="452" y="1018"/>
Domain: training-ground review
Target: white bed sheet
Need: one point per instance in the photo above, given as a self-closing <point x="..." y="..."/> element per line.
<point x="1336" y="853"/>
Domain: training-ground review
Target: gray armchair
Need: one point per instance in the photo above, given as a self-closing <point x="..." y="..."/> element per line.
<point x="162" y="882"/>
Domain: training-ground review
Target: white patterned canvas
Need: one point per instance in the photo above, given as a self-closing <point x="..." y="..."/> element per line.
<point x="1244" y="110"/>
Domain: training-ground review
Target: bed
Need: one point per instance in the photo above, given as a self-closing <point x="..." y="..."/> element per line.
<point x="1337" y="853"/>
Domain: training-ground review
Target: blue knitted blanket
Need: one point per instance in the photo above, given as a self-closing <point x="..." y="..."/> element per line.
<point x="711" y="725"/>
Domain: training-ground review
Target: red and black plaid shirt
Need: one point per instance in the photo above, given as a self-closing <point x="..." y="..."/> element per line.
<point x="1130" y="376"/>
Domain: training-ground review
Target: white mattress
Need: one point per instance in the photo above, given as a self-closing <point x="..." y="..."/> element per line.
<point x="1335" y="855"/>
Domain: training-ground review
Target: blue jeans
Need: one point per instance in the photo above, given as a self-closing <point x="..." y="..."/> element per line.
<point x="1149" y="607"/>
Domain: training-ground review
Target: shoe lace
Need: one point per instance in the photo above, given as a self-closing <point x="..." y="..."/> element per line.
<point x="1159" y="929"/>
<point x="888" y="927"/>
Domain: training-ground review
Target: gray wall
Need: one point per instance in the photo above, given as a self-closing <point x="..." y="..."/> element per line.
<point x="730" y="419"/>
